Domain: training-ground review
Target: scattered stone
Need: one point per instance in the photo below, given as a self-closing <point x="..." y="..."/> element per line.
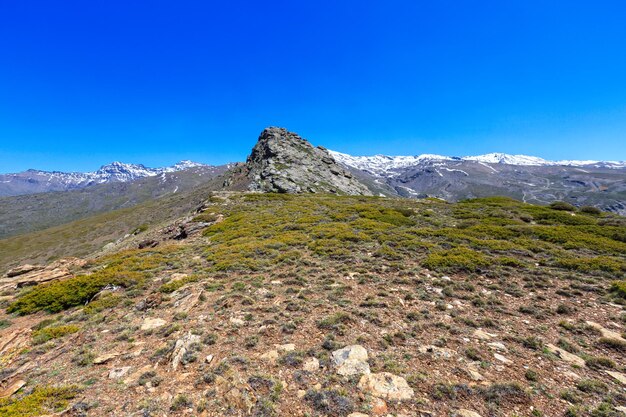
<point x="235" y="392"/>
<point x="473" y="372"/>
<point x="565" y="355"/>
<point x="177" y="276"/>
<point x="151" y="301"/>
<point x="236" y="321"/>
<point x="436" y="351"/>
<point x="117" y="373"/>
<point x="482" y="335"/>
<point x="357" y="415"/>
<point x="105" y="358"/>
<point x="270" y="356"/>
<point x="23" y="269"/>
<point x="351" y="360"/>
<point x="208" y="359"/>
<point x="12" y="343"/>
<point x="379" y="406"/>
<point x="387" y="386"/>
<point x="150" y="323"/>
<point x="12" y="388"/>
<point x="467" y="413"/>
<point x="289" y="347"/>
<point x="609" y="334"/>
<point x="311" y="364"/>
<point x="618" y="376"/>
<point x="501" y="358"/>
<point x="188" y="302"/>
<point x="183" y="345"/>
<point x="497" y="346"/>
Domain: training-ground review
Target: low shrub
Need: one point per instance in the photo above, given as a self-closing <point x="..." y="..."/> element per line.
<point x="457" y="259"/>
<point x="42" y="400"/>
<point x="49" y="333"/>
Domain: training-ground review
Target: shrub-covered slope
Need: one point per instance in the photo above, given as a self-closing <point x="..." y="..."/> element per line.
<point x="489" y="306"/>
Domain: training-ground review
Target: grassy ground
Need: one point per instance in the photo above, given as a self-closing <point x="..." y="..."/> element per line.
<point x="411" y="281"/>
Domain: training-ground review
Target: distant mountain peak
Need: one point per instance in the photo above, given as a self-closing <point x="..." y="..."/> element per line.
<point x="36" y="181"/>
<point x="382" y="165"/>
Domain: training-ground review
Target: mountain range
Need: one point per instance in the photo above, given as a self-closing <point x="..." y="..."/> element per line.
<point x="286" y="285"/>
<point x="284" y="162"/>
<point x="37" y="181"/>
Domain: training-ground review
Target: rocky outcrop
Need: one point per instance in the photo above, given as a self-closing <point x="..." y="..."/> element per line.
<point x="283" y="162"/>
<point x="28" y="275"/>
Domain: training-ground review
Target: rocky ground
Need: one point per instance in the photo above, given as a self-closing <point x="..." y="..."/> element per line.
<point x="324" y="306"/>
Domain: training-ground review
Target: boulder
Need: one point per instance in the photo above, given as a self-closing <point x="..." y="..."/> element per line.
<point x="565" y="355"/>
<point x="351" y="360"/>
<point x="152" y="323"/>
<point x="105" y="358"/>
<point x="22" y="269"/>
<point x="311" y="364"/>
<point x="618" y="376"/>
<point x="386" y="386"/>
<point x="12" y="388"/>
<point x="183" y="345"/>
<point x="117" y="373"/>
<point x="606" y="333"/>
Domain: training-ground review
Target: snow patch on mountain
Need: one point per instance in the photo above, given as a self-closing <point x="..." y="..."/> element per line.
<point x="113" y="172"/>
<point x="383" y="165"/>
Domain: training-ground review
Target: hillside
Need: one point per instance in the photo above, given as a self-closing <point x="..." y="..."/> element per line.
<point x="90" y="234"/>
<point x="530" y="179"/>
<point x="35" y="181"/>
<point x="29" y="213"/>
<point x="325" y="305"/>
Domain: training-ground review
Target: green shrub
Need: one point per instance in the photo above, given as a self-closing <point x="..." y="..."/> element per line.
<point x="49" y="333"/>
<point x="102" y="303"/>
<point x="126" y="269"/>
<point x="591" y="210"/>
<point x="619" y="288"/>
<point x="598" y="263"/>
<point x="172" y="286"/>
<point x="457" y="259"/>
<point x="42" y="400"/>
<point x="562" y="205"/>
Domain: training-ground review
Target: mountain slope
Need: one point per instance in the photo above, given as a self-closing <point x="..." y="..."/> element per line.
<point x="35" y="181"/>
<point x="90" y="234"/>
<point x="530" y="179"/>
<point x="27" y="213"/>
<point x="323" y="305"/>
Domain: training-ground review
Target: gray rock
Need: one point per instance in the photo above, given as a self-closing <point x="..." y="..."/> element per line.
<point x="283" y="162"/>
<point x="387" y="386"/>
<point x="351" y="360"/>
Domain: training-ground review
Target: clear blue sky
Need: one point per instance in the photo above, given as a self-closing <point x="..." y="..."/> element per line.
<point x="83" y="83"/>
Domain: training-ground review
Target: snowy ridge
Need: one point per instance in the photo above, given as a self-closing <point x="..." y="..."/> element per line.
<point x="385" y="165"/>
<point x="113" y="172"/>
<point x="382" y="164"/>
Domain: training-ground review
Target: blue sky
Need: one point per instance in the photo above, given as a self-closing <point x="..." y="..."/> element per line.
<point x="83" y="83"/>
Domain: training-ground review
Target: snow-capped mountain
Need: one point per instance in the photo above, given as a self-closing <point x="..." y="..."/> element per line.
<point x="384" y="165"/>
<point x="36" y="181"/>
<point x="526" y="178"/>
